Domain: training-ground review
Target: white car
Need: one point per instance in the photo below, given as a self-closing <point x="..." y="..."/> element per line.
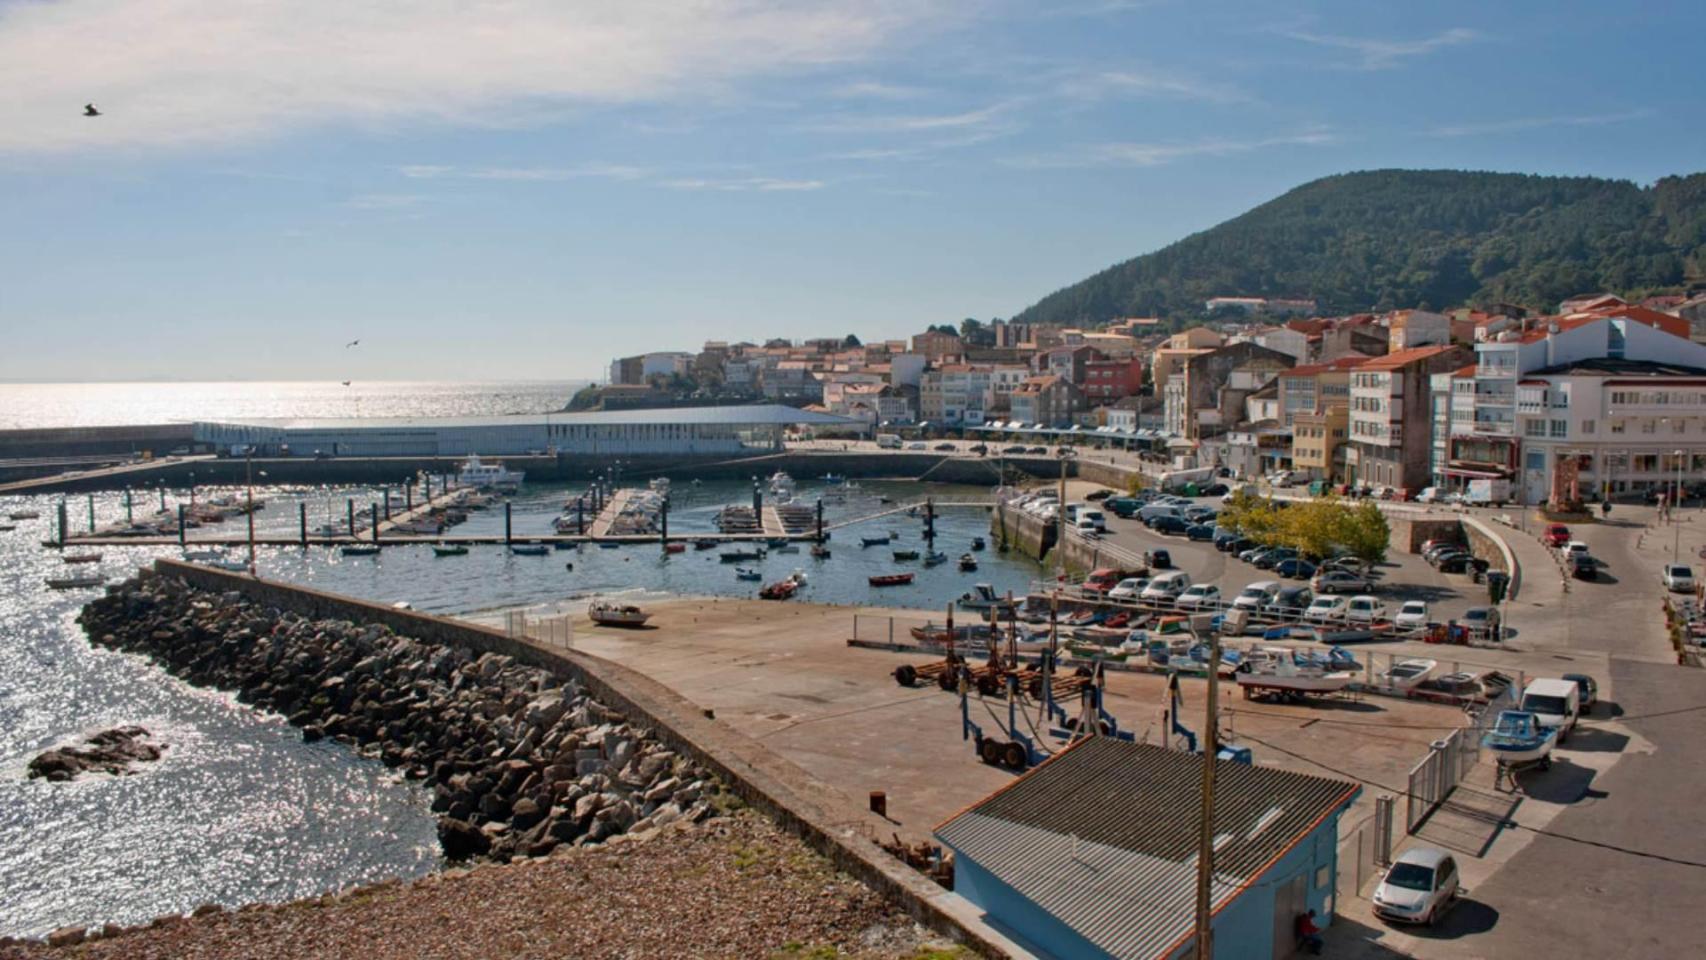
<point x="1572" y="548"/>
<point x="1325" y="609"/>
<point x="917" y="445"/>
<point x="1364" y="609"/>
<point x="1197" y="596"/>
<point x="1419" y="887"/>
<point x="1087" y="528"/>
<point x="1128" y="589"/>
<point x="1429" y="495"/>
<point x="1257" y="595"/>
<point x="1413" y="615"/>
<point x="1679" y="578"/>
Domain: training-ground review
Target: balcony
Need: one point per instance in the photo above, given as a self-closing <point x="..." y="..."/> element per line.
<point x="1494" y="428"/>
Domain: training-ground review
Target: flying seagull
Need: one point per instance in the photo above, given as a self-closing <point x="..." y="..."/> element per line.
<point x="90" y="111"/>
<point x="351" y="344"/>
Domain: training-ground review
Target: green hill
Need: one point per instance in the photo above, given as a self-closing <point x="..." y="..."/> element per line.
<point x="1385" y="239"/>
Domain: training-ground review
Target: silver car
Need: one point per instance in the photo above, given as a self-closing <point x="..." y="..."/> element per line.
<point x="1419" y="887"/>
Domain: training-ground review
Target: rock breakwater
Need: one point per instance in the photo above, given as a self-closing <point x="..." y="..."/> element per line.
<point x="519" y="760"/>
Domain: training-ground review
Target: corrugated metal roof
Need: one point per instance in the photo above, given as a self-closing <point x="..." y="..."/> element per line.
<point x="770" y="414"/>
<point x="1104" y="836"/>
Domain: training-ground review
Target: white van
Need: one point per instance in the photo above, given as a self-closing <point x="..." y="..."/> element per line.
<point x="1167" y="586"/>
<point x="888" y="441"/>
<point x="1555" y="704"/>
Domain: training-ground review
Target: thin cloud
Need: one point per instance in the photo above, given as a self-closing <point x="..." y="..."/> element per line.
<point x="385" y="201"/>
<point x="744" y="184"/>
<point x="178" y="73"/>
<point x="1374" y="53"/>
<point x="1534" y="123"/>
<point x="610" y="171"/>
<point x="1159" y="154"/>
<point x="876" y="90"/>
<point x="1114" y="84"/>
<point x="916" y="123"/>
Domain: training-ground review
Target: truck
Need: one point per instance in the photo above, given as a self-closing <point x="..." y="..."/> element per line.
<point x="888" y="441"/>
<point x="1489" y="490"/>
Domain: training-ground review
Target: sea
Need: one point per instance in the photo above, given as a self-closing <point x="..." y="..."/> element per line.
<point x="240" y="809"/>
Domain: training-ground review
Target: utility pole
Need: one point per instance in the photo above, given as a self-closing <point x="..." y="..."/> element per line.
<point x="1205" y="837"/>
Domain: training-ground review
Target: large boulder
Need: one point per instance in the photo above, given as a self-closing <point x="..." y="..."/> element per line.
<point x="460" y="839"/>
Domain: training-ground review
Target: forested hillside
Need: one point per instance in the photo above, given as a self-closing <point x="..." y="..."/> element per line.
<point x="1384" y="239"/>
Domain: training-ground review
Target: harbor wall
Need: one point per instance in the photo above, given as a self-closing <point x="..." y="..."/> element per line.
<point x="818" y="814"/>
<point x="1021" y="531"/>
<point x="90" y="441"/>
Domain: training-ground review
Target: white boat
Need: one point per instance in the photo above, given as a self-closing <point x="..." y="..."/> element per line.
<point x="1518" y="738"/>
<point x="1286" y="675"/>
<point x="616" y="614"/>
<point x="659" y="486"/>
<point x="488" y="476"/>
<point x="1405" y="674"/>
<point x="781" y="486"/>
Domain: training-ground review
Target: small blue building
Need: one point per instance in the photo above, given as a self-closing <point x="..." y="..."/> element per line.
<point x="1093" y="853"/>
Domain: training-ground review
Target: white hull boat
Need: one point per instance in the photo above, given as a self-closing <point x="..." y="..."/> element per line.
<point x="1518" y="738"/>
<point x="1285" y="675"/>
<point x="1405" y="674"/>
<point x="488" y="476"/>
<point x="617" y="614"/>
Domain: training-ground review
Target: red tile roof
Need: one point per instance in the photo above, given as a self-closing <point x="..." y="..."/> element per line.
<point x="1393" y="361"/>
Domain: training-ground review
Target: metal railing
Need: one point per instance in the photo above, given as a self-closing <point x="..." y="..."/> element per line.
<point x="558" y="631"/>
<point x="1450" y="759"/>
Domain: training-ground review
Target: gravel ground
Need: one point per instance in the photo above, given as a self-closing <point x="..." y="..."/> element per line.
<point x="733" y="887"/>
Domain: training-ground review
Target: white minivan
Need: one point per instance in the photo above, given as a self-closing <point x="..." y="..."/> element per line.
<point x="1555" y="704"/>
<point x="1167" y="586"/>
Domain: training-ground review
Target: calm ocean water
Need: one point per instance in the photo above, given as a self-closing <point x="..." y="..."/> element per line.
<point x="240" y="809"/>
<point x="24" y="405"/>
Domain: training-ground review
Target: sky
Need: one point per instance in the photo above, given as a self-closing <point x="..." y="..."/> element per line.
<point x="528" y="188"/>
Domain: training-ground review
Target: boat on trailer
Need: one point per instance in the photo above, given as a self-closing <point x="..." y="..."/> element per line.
<point x="1518" y="738"/>
<point x="1405" y="674"/>
<point x="1283" y="676"/>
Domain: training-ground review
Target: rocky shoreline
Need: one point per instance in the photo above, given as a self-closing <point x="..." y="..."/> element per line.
<point x="519" y="762"/>
<point x="110" y="751"/>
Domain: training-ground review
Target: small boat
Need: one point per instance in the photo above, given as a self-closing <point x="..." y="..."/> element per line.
<point x="820" y="551"/>
<point x="832" y="478"/>
<point x="8" y="527"/>
<point x="22" y="515"/>
<point x="675" y="547"/>
<point x="875" y="541"/>
<point x="616" y="614"/>
<point x="747" y="573"/>
<point x="565" y="545"/>
<point x="786" y="548"/>
<point x="890" y="579"/>
<point x="1405" y="674"/>
<point x="530" y="550"/>
<point x="968" y="562"/>
<point x="82" y="558"/>
<point x="935" y="558"/>
<point x="234" y="566"/>
<point x="977" y="543"/>
<point x="73" y="583"/>
<point x="450" y="550"/>
<point x="906" y="555"/>
<point x="983" y="597"/>
<point x="1518" y="737"/>
<point x="197" y="556"/>
<point x="705" y="543"/>
<point x="740" y="556"/>
<point x="776" y="543"/>
<point x="360" y="550"/>
<point x="780" y="590"/>
<point x="609" y="545"/>
<point x="781" y="485"/>
<point x="1285" y="676"/>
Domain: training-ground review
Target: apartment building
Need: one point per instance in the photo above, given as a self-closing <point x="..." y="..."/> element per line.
<point x="1318" y="443"/>
<point x="1390" y="409"/>
<point x="1206" y="397"/>
<point x="1313" y="388"/>
<point x="1048" y="400"/>
<point x="1112" y="378"/>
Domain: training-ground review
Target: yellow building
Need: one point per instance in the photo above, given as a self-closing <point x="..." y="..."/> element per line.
<point x="1317" y="440"/>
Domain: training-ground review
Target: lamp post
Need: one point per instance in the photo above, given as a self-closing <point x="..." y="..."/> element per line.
<point x="1676" y="516"/>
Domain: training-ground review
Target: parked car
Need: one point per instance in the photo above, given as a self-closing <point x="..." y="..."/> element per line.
<point x="980" y="448"/>
<point x="1274" y="557"/>
<point x="1353" y="564"/>
<point x="1169" y="524"/>
<point x="1556" y="535"/>
<point x="1167" y="586"/>
<point x="1483" y="620"/>
<point x="1201" y="514"/>
<point x="946" y="447"/>
<point x="1234" y="546"/>
<point x="1430" y="552"/>
<point x="917" y="445"/>
<point x="1588" y="691"/>
<point x="1038" y="450"/>
<point x="1128" y="589"/>
<point x="1413" y="615"/>
<point x="1257" y="595"/>
<point x="1087" y="528"/>
<point x="1364" y="609"/>
<point x="1340" y="581"/>
<point x="1290" y="601"/>
<point x="1016" y="448"/>
<point x="1445" y="553"/>
<point x="1296" y="568"/>
<point x="1679" y="578"/>
<point x="1102" y="580"/>
<point x="1555" y="704"/>
<point x="1200" y="531"/>
<point x="1198" y="596"/>
<point x="1096" y="495"/>
<point x="1214" y="490"/>
<point x="1455" y="563"/>
<point x="1326" y="609"/>
<point x="1428" y="495"/>
<point x="1249" y="555"/>
<point x="1419" y="887"/>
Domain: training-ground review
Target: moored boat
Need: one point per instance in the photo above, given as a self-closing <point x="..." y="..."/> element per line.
<point x="23" y="515"/>
<point x="901" y="555"/>
<point x="935" y="558"/>
<point x="82" y="558"/>
<point x="675" y="546"/>
<point x="968" y="562"/>
<point x="820" y="551"/>
<point x="488" y="476"/>
<point x="360" y="550"/>
<point x="610" y="614"/>
<point x="875" y="541"/>
<point x="977" y="543"/>
<point x="747" y="573"/>
<point x="740" y="556"/>
<point x="890" y="579"/>
<point x="705" y="543"/>
<point x="530" y="550"/>
<point x="73" y="583"/>
<point x="449" y="550"/>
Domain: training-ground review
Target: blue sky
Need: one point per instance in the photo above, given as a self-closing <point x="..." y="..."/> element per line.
<point x="527" y="189"/>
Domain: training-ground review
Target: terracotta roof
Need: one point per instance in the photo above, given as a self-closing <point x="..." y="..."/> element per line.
<point x="1393" y="361"/>
<point x="1335" y="365"/>
<point x="1468" y="371"/>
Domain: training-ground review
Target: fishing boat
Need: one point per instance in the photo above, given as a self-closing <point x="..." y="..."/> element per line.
<point x="705" y="543"/>
<point x="73" y="583"/>
<point x="982" y="596"/>
<point x="977" y="543"/>
<point x="968" y="563"/>
<point x="675" y="547"/>
<point x="360" y="550"/>
<point x="786" y="548"/>
<point x="935" y="558"/>
<point x="1518" y="737"/>
<point x="22" y="515"/>
<point x="740" y="556"/>
<point x="781" y="486"/>
<point x="901" y="555"/>
<point x="780" y="590"/>
<point x="820" y="551"/>
<point x="610" y="614"/>
<point x="890" y="579"/>
<point x="1405" y="674"/>
<point x="82" y="558"/>
<point x="449" y="550"/>
<point x="609" y="545"/>
<point x="1284" y="676"/>
<point x="488" y="476"/>
<point x="875" y="541"/>
<point x="747" y="573"/>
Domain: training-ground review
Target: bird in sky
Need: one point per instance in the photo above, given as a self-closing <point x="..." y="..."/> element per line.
<point x="90" y="111"/>
<point x="352" y="343"/>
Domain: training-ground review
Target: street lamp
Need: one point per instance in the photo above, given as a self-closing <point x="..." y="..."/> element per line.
<point x="1676" y="516"/>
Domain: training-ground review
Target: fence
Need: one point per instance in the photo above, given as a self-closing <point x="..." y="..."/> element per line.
<point x="556" y="631"/>
<point x="1449" y="761"/>
<point x="1366" y="851"/>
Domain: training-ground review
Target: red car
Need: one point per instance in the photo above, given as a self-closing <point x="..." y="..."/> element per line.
<point x="1556" y="535"/>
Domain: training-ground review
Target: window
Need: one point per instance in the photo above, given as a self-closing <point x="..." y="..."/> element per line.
<point x="1649" y="426"/>
<point x="1534" y="428"/>
<point x="1679" y="425"/>
<point x="1587" y="426"/>
<point x="1616" y="426"/>
<point x="1560" y="428"/>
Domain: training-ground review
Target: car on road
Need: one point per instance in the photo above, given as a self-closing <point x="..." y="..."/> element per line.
<point x="1588" y="688"/>
<point x="1364" y="609"/>
<point x="1584" y="565"/>
<point x="946" y="447"/>
<point x="1128" y="589"/>
<point x="1574" y="547"/>
<point x="1483" y="621"/>
<point x="1413" y="615"/>
<point x="1160" y="559"/>
<point x="1419" y="887"/>
<point x="1326" y="609"/>
<point x="1016" y="448"/>
<point x="1679" y="578"/>
<point x="917" y="445"/>
<point x="1198" y="596"/>
<point x="1296" y="568"/>
<point x="1556" y="535"/>
<point x="1200" y="531"/>
<point x="1340" y="581"/>
<point x="1257" y="595"/>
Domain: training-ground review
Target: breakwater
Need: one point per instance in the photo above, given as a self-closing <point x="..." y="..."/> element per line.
<point x="519" y="761"/>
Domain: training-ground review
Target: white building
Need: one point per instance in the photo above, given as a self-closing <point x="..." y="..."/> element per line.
<point x="1408" y="329"/>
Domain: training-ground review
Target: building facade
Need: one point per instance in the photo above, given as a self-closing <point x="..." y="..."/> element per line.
<point x="1391" y="430"/>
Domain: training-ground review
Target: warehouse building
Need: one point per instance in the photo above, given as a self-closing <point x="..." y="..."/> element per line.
<point x="1093" y="853"/>
<point x="681" y="431"/>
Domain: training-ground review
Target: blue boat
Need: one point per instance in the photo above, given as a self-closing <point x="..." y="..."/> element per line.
<point x="1518" y="737"/>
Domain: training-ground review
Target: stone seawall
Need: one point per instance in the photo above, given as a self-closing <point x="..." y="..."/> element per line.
<point x="1021" y="531"/>
<point x="815" y="812"/>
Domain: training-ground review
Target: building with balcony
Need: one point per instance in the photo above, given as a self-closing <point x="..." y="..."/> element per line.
<point x="1391" y="430"/>
<point x="1318" y="443"/>
<point x="1048" y="400"/>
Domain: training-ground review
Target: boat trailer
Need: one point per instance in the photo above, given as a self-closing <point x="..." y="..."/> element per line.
<point x="1011" y="747"/>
